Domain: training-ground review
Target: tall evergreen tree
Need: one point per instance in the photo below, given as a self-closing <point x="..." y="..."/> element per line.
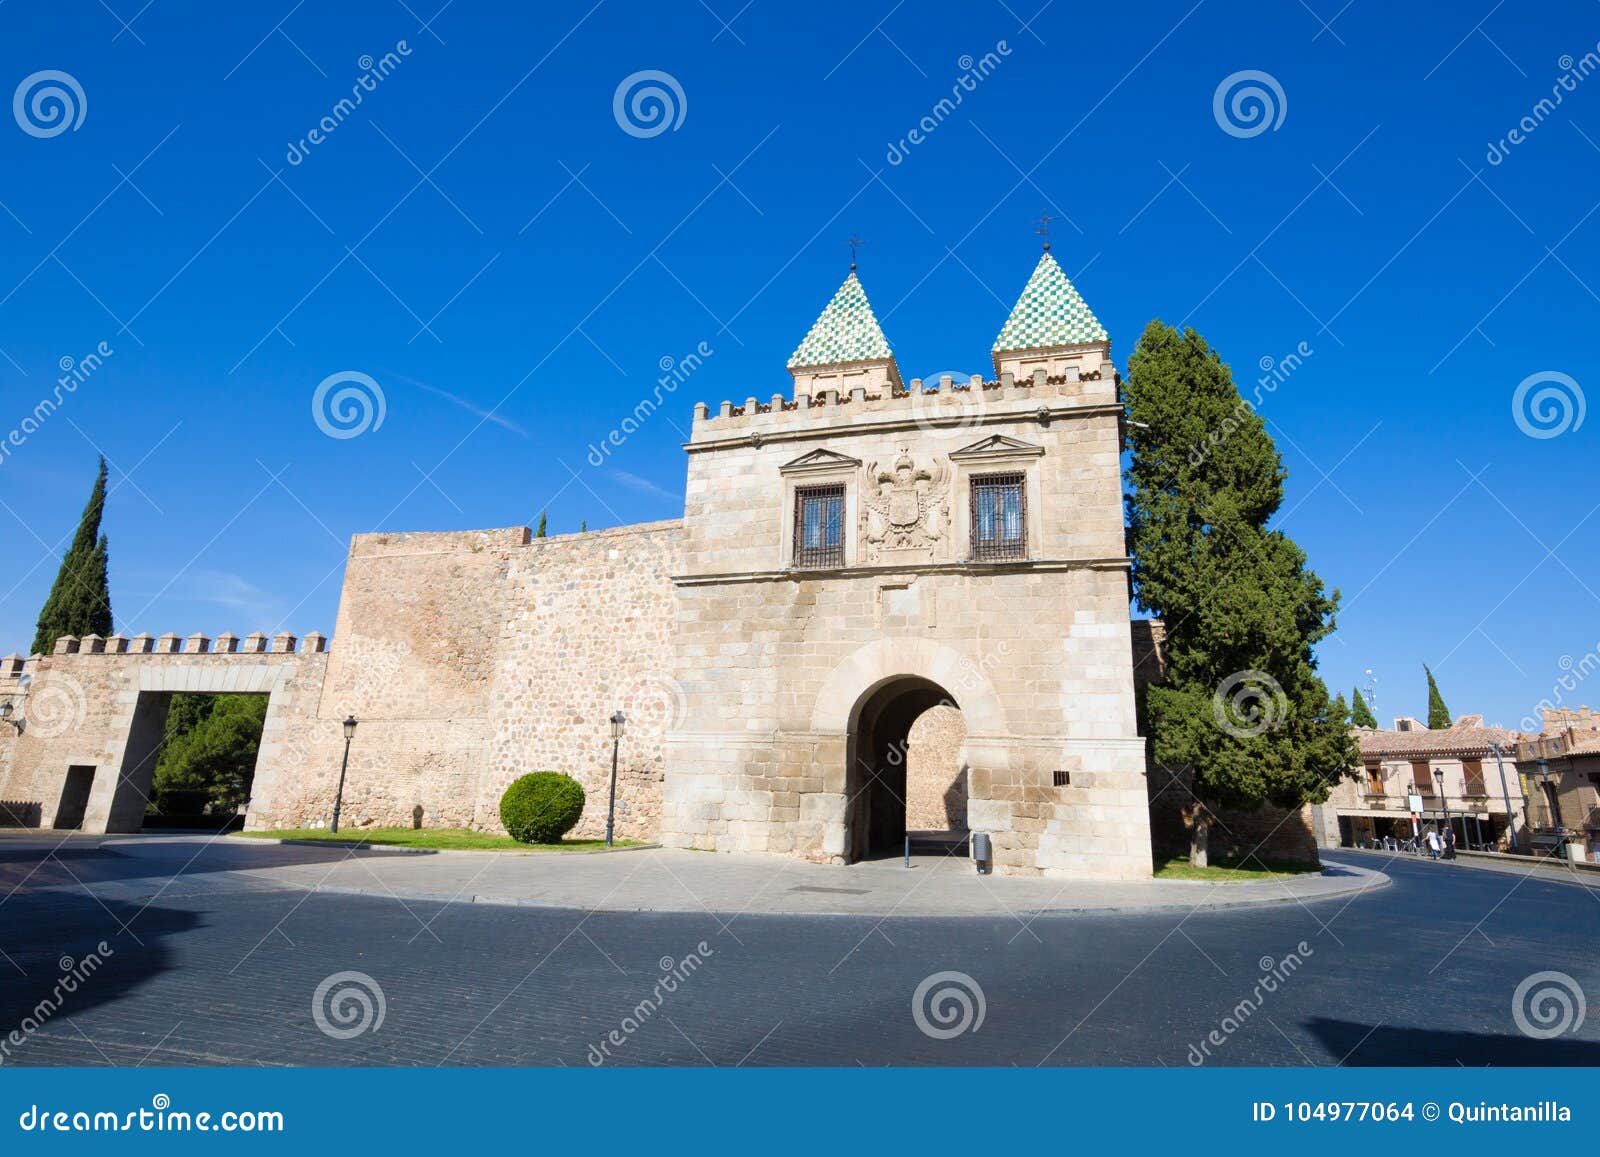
<point x="1438" y="713"/>
<point x="1361" y="711"/>
<point x="540" y="533"/>
<point x="80" y="600"/>
<point x="1242" y="707"/>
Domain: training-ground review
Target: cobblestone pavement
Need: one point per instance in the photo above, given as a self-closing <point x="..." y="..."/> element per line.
<point x="664" y="880"/>
<point x="222" y="966"/>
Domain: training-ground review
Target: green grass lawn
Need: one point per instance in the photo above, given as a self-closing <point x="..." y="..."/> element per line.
<point x="1231" y="871"/>
<point x="441" y="839"/>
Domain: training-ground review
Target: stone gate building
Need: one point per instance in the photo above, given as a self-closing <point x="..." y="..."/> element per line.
<point x="856" y="553"/>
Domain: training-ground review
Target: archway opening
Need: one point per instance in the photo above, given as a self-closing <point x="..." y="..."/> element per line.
<point x="189" y="762"/>
<point x="907" y="777"/>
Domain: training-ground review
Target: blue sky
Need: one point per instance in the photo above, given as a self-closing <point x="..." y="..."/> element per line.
<point x="483" y="239"/>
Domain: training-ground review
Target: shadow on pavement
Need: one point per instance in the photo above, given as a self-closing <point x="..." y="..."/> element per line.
<point x="1364" y="1045"/>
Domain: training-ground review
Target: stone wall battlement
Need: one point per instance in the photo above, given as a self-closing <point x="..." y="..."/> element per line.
<point x="947" y="400"/>
<point x="14" y="666"/>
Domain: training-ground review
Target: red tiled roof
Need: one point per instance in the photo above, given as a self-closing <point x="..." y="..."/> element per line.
<point x="1448" y="743"/>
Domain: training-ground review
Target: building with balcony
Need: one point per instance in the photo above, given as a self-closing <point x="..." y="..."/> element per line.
<point x="1561" y="766"/>
<point x="1413" y="778"/>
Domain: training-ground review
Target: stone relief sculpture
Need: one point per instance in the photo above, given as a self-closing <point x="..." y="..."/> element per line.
<point x="905" y="509"/>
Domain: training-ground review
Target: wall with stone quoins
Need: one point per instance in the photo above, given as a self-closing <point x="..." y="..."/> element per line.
<point x="470" y="658"/>
<point x="773" y="661"/>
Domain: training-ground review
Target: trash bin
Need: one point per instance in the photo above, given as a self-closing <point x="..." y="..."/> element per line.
<point x="982" y="853"/>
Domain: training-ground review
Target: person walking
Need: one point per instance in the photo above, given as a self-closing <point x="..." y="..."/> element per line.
<point x="1433" y="843"/>
<point x="1450" y="843"/>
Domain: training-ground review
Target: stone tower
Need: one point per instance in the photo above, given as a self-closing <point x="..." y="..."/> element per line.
<point x="861" y="550"/>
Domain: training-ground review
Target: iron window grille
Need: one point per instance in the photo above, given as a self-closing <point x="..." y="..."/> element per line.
<point x="819" y="526"/>
<point x="999" y="517"/>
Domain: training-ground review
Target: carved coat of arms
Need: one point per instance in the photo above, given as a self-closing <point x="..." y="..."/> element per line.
<point x="904" y="507"/>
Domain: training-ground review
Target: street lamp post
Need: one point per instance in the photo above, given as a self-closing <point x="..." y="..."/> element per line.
<point x="1552" y="799"/>
<point x="617" y="721"/>
<point x="1444" y="801"/>
<point x="338" y="798"/>
<point x="1511" y="821"/>
<point x="6" y="709"/>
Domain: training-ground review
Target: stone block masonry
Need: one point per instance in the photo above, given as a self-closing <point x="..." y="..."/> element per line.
<point x="853" y="557"/>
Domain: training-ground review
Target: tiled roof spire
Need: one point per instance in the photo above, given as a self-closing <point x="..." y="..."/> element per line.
<point x="847" y="331"/>
<point x="1050" y="312"/>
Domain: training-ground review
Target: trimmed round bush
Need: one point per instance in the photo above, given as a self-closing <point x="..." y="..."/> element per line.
<point x="542" y="807"/>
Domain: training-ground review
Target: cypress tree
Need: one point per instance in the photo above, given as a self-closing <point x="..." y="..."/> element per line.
<point x="1360" y="711"/>
<point x="80" y="600"/>
<point x="540" y="533"/>
<point x="1438" y="713"/>
<point x="1242" y="708"/>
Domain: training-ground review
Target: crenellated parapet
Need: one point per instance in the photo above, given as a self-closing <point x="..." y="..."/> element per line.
<point x="224" y="646"/>
<point x="931" y="405"/>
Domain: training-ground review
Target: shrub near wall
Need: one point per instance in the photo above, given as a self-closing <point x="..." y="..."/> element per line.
<point x="542" y="807"/>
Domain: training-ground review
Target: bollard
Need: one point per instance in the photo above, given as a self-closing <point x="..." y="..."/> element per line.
<point x="982" y="853"/>
<point x="908" y="849"/>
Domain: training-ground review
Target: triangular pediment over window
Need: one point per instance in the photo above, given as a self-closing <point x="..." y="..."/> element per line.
<point x="821" y="460"/>
<point x="998" y="446"/>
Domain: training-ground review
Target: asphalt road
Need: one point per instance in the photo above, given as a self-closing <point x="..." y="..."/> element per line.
<point x="1422" y="972"/>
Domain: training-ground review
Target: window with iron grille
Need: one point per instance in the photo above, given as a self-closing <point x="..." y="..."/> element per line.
<point x="819" y="526"/>
<point x="999" y="517"/>
<point x="1472" y="775"/>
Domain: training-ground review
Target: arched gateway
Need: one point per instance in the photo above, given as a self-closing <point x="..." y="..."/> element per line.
<point x="865" y="549"/>
<point x="853" y="551"/>
<point x="884" y="804"/>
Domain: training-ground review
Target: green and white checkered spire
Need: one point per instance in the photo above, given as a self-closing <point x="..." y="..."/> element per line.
<point x="846" y="332"/>
<point x="1049" y="313"/>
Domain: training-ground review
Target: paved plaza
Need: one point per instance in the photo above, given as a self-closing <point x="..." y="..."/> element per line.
<point x="218" y="948"/>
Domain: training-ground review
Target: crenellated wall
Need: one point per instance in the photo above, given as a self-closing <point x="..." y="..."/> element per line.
<point x="100" y="704"/>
